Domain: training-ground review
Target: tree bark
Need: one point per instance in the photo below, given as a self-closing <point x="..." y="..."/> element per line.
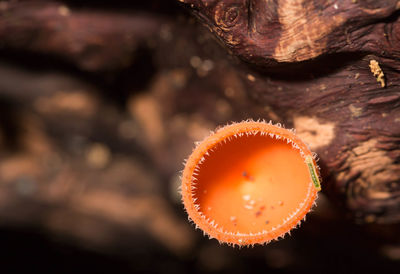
<point x="92" y="41"/>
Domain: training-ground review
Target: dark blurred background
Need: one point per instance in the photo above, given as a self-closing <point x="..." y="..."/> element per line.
<point x="100" y="103"/>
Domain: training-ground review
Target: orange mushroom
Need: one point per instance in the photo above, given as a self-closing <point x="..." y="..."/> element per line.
<point x="249" y="183"/>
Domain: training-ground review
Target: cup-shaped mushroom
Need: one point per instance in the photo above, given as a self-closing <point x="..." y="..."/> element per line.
<point x="249" y="183"/>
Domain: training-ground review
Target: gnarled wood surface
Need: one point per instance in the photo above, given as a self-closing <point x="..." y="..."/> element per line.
<point x="271" y="32"/>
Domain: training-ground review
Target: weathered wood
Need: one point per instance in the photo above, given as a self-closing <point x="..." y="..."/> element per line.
<point x="273" y="32"/>
<point x="91" y="40"/>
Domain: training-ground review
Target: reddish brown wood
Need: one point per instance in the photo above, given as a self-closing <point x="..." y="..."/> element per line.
<point x="91" y="40"/>
<point x="269" y="33"/>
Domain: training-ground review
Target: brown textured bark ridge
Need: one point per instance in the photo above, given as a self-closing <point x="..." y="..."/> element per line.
<point x="270" y="32"/>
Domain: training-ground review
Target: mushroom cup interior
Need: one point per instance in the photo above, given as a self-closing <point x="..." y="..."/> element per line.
<point x="251" y="183"/>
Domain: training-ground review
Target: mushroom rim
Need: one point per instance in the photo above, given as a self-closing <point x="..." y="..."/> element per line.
<point x="237" y="130"/>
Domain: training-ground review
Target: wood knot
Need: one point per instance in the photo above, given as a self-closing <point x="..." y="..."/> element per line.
<point x="227" y="17"/>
